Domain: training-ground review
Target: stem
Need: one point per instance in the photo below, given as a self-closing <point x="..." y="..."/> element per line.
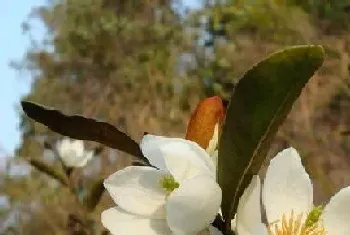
<point x="225" y="228"/>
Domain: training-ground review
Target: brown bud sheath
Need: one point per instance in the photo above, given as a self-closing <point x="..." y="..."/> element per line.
<point x="208" y="113"/>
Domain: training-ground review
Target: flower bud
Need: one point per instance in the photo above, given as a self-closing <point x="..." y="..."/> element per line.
<point x="205" y="123"/>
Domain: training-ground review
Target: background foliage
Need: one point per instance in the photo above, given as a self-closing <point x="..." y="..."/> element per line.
<point x="144" y="65"/>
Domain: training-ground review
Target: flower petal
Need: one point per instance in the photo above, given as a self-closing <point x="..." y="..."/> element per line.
<point x="194" y="205"/>
<point x="78" y="147"/>
<point x="72" y="152"/>
<point x="84" y="159"/>
<point x="234" y="223"/>
<point x="260" y="230"/>
<point x="287" y="186"/>
<point x="62" y="146"/>
<point x="184" y="159"/>
<point x="214" y="231"/>
<point x="120" y="222"/>
<point x="248" y="217"/>
<point x="136" y="189"/>
<point x="336" y="214"/>
<point x="213" y="143"/>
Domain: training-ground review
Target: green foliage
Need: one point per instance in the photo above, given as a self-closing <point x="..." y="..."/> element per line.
<point x="335" y="12"/>
<point x="271" y="20"/>
<point x="260" y="102"/>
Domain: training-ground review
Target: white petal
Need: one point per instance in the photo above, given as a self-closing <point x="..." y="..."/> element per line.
<point x="194" y="205"/>
<point x="336" y="215"/>
<point x="287" y="186"/>
<point x="70" y="159"/>
<point x="234" y="223"/>
<point x="214" y="158"/>
<point x="213" y="143"/>
<point x="248" y="217"/>
<point x="72" y="152"/>
<point x="78" y="147"/>
<point x="184" y="159"/>
<point x="260" y="230"/>
<point x="84" y="159"/>
<point x="214" y="231"/>
<point x="136" y="189"/>
<point x="150" y="148"/>
<point x="61" y="146"/>
<point x="89" y="155"/>
<point x="120" y="222"/>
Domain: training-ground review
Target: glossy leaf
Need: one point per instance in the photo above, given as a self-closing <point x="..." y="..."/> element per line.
<point x="260" y="102"/>
<point x="82" y="128"/>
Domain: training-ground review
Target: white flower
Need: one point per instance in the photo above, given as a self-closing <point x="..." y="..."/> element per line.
<point x="213" y="143"/>
<point x="180" y="196"/>
<point x="73" y="153"/>
<point x="247" y="220"/>
<point x="212" y="148"/>
<point x="287" y="196"/>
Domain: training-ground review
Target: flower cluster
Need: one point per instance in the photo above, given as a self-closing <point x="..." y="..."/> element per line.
<point x="179" y="195"/>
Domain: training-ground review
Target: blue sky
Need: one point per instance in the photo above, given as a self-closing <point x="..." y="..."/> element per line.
<point x="13" y="85"/>
<point x="12" y="47"/>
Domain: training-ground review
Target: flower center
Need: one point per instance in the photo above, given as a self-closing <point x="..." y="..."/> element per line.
<point x="295" y="225"/>
<point x="168" y="183"/>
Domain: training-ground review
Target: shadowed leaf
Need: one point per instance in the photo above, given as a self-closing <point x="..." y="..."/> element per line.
<point x="82" y="128"/>
<point x="94" y="195"/>
<point x="41" y="166"/>
<point x="260" y="102"/>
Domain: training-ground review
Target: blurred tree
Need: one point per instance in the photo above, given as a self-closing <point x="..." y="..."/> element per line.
<point x="119" y="61"/>
<point x="332" y="15"/>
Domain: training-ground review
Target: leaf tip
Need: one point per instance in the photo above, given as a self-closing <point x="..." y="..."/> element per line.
<point x="27" y="107"/>
<point x="319" y="50"/>
<point x="24" y="104"/>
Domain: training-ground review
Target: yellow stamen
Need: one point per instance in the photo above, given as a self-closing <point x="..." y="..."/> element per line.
<point x="168" y="183"/>
<point x="296" y="225"/>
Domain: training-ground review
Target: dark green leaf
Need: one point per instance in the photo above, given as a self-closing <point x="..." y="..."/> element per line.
<point x="41" y="166"/>
<point x="94" y="195"/>
<point x="82" y="128"/>
<point x="260" y="102"/>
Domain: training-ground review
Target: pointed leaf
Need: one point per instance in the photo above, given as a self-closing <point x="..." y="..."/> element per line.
<point x="94" y="195"/>
<point x="82" y="128"/>
<point x="50" y="171"/>
<point x="259" y="104"/>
